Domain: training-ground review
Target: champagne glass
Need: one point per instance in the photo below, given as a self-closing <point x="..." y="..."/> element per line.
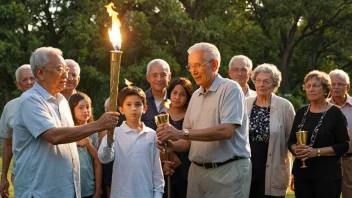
<point x="302" y="138"/>
<point x="160" y="120"/>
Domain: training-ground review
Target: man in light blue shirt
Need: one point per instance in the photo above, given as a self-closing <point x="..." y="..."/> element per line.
<point x="45" y="152"/>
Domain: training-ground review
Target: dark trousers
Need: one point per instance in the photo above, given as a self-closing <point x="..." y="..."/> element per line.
<point x="177" y="190"/>
<point x="317" y="188"/>
<point x="258" y="190"/>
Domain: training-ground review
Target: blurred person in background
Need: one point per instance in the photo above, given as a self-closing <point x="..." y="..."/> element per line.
<point x="340" y="83"/>
<point x="24" y="81"/>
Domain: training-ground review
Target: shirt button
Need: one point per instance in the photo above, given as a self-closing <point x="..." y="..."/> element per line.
<point x="267" y="166"/>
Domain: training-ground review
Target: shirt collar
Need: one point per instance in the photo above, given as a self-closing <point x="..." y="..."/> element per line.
<point x="125" y="128"/>
<point x="214" y="86"/>
<point x="149" y="94"/>
<point x="45" y="94"/>
<point x="348" y="100"/>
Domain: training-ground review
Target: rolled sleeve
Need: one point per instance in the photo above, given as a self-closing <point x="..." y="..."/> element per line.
<point x="105" y="153"/>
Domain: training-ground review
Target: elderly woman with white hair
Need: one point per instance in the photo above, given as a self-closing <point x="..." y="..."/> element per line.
<point x="270" y="122"/>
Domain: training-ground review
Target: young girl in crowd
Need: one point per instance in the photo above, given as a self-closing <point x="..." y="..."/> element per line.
<point x="180" y="92"/>
<point x="137" y="168"/>
<point x="90" y="166"/>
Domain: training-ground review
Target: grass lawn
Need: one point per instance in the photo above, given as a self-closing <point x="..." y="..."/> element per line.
<point x="8" y="177"/>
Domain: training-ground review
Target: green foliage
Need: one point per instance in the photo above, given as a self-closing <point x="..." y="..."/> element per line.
<point x="297" y="36"/>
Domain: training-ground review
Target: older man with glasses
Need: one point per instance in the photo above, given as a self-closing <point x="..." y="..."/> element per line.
<point x="340" y="82"/>
<point x="216" y="129"/>
<point x="240" y="70"/>
<point x="72" y="79"/>
<point x="44" y="137"/>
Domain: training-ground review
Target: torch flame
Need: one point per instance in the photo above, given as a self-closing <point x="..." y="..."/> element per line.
<point x="114" y="32"/>
<point x="128" y="83"/>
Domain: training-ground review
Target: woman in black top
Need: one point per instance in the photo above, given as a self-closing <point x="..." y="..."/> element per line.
<point x="327" y="141"/>
<point x="180" y="93"/>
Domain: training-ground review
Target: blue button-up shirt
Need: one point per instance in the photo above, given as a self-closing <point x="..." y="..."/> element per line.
<point x="137" y="169"/>
<point x="43" y="169"/>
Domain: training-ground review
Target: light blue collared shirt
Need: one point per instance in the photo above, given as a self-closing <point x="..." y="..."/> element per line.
<point x="137" y="169"/>
<point x="42" y="169"/>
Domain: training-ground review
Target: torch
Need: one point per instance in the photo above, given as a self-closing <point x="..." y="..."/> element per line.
<point x="115" y="60"/>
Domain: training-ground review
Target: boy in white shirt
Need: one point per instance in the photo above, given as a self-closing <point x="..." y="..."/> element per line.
<point x="137" y="169"/>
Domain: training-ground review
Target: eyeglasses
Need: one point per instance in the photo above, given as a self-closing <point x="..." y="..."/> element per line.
<point x="265" y="82"/>
<point x="196" y="66"/>
<point x="242" y="70"/>
<point x="338" y="84"/>
<point x="156" y="75"/>
<point x="72" y="76"/>
<point x="59" y="70"/>
<point x="314" y="86"/>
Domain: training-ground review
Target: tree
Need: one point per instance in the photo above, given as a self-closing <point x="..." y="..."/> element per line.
<point x="297" y="20"/>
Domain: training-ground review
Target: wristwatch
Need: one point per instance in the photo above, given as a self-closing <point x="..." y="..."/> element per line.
<point x="318" y="152"/>
<point x="186" y="133"/>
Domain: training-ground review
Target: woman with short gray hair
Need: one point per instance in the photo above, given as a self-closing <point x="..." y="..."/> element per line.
<point x="270" y="122"/>
<point x="327" y="141"/>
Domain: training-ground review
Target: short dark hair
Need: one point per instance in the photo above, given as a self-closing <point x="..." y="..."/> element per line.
<point x="131" y="91"/>
<point x="186" y="84"/>
<point x="73" y="102"/>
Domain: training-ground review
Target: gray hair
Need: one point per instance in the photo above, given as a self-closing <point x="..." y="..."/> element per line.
<point x="210" y="51"/>
<point x="271" y="69"/>
<point x="243" y="58"/>
<point x="159" y="62"/>
<point x="341" y="73"/>
<point x="17" y="73"/>
<point x="74" y="64"/>
<point x="40" y="57"/>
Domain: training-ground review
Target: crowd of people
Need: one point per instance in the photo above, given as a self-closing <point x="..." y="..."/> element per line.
<point x="223" y="138"/>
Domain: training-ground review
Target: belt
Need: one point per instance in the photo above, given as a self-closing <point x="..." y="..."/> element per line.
<point x="347" y="155"/>
<point x="215" y="165"/>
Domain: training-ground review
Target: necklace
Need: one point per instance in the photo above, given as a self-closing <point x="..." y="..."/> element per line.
<point x="316" y="129"/>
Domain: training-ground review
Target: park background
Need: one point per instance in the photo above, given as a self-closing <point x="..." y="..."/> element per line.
<point x="296" y="35"/>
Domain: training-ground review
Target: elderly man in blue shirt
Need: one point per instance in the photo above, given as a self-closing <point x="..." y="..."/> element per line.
<point x="45" y="151"/>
